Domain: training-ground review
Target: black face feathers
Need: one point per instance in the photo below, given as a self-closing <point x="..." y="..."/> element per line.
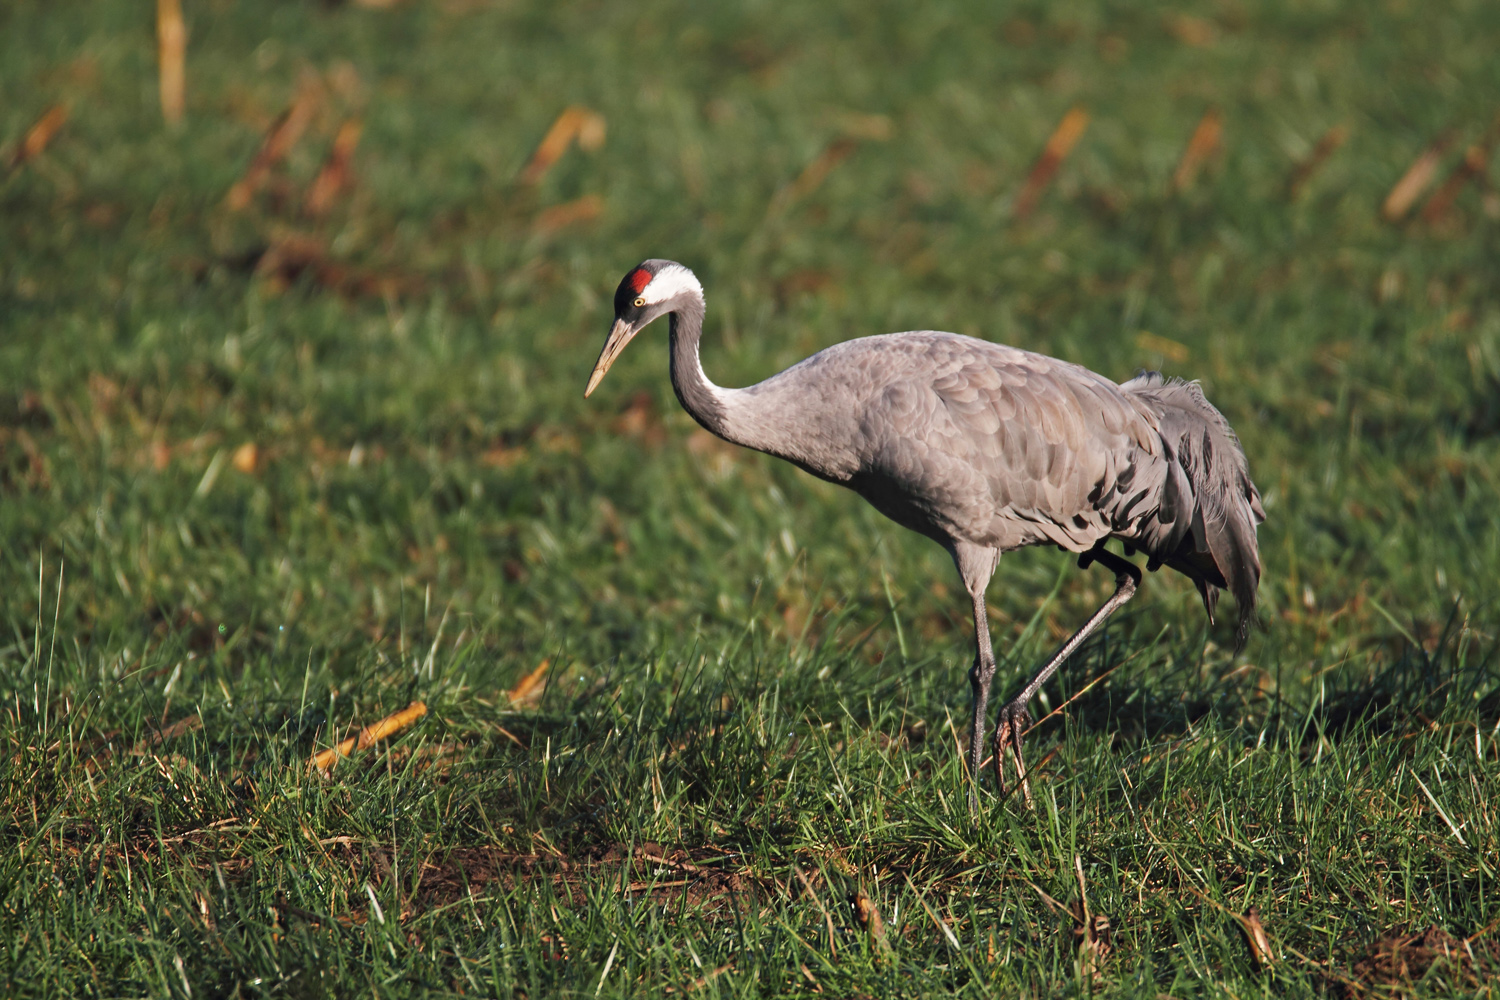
<point x="631" y="287"/>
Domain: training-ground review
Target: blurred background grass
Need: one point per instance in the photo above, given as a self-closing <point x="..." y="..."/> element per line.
<point x="284" y="466"/>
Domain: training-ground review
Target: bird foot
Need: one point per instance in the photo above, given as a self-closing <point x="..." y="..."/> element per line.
<point x="1010" y="728"/>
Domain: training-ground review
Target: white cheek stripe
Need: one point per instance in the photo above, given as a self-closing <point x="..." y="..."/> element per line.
<point x="669" y="283"/>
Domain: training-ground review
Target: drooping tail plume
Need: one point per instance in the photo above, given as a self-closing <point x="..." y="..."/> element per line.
<point x="1218" y="548"/>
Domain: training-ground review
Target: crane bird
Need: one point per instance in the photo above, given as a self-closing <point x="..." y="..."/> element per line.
<point x="985" y="449"/>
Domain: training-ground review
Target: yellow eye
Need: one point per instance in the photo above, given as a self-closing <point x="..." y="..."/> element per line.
<point x="640" y="302"/>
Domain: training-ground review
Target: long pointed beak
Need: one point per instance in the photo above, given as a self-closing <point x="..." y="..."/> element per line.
<point x="619" y="336"/>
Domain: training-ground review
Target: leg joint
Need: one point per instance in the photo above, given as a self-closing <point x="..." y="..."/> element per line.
<point x="1123" y="569"/>
<point x="983" y="671"/>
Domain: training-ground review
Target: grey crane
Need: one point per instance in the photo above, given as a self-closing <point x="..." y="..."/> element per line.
<point x="985" y="449"/>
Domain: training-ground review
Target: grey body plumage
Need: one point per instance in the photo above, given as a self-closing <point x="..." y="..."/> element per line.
<point x="985" y="449"/>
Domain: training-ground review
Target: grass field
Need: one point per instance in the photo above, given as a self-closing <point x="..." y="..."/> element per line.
<point x="274" y="464"/>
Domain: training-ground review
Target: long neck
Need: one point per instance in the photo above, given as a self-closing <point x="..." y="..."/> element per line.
<point x="740" y="416"/>
<point x="699" y="396"/>
<point x="756" y="417"/>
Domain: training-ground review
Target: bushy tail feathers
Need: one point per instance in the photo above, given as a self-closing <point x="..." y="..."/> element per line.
<point x="1216" y="547"/>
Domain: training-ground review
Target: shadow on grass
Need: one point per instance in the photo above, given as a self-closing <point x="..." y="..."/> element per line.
<point x="1406" y="688"/>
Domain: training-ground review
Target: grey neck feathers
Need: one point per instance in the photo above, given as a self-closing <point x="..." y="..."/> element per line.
<point x="698" y="395"/>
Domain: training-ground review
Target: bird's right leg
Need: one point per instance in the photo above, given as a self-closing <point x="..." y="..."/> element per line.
<point x="1015" y="720"/>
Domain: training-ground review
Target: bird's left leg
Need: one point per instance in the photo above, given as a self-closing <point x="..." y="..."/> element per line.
<point x="976" y="564"/>
<point x="1014" y="720"/>
<point x="980" y="677"/>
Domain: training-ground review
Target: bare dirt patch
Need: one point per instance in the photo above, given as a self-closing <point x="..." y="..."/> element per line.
<point x="1396" y="962"/>
<point x="702" y="875"/>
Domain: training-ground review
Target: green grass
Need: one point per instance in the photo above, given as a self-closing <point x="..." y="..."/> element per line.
<point x="751" y="672"/>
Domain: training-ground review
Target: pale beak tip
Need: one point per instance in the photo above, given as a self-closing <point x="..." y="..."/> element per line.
<point x="619" y="336"/>
<point x="594" y="381"/>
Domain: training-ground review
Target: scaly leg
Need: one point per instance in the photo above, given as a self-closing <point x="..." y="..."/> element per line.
<point x="1014" y="720"/>
<point x="980" y="677"/>
<point x="976" y="564"/>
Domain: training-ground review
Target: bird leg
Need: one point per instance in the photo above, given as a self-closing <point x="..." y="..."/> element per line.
<point x="1014" y="720"/>
<point x="1012" y="724"/>
<point x="980" y="677"/>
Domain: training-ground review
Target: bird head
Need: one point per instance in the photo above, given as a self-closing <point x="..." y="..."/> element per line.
<point x="652" y="288"/>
